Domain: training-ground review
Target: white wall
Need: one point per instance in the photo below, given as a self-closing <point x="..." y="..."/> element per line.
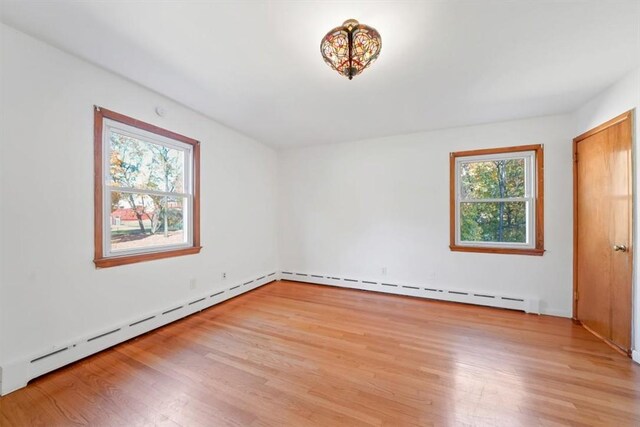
<point x="346" y="209"/>
<point x="351" y="209"/>
<point x="622" y="96"/>
<point x="50" y="291"/>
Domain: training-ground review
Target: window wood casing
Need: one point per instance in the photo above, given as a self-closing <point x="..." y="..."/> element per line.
<point x="102" y="257"/>
<point x="535" y="244"/>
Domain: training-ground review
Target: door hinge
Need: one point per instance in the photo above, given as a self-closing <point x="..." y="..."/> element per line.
<point x="575" y="295"/>
<point x="575" y="157"/>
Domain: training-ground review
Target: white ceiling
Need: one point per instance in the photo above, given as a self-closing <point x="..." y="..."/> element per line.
<point x="256" y="67"/>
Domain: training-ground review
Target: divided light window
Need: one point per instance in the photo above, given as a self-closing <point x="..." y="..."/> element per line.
<point x="146" y="191"/>
<point x="497" y="200"/>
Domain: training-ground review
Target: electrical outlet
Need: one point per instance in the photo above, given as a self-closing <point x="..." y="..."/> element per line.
<point x="193" y="283"/>
<point x="384" y="271"/>
<point x="224" y="276"/>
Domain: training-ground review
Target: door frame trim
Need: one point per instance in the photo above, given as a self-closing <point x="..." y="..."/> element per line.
<point x="606" y="125"/>
<point x="628" y="115"/>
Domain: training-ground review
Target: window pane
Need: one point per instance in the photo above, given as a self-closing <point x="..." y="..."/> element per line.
<point x="495" y="179"/>
<point x="167" y="168"/>
<point x="135" y="163"/>
<point x="493" y="222"/>
<point x="140" y="221"/>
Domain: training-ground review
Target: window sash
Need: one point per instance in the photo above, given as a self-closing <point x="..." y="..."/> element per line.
<point x="117" y="189"/>
<point x="146" y="136"/>
<point x="186" y="229"/>
<point x="187" y="218"/>
<point x="497" y="200"/>
<point x="149" y="137"/>
<point x="529" y="199"/>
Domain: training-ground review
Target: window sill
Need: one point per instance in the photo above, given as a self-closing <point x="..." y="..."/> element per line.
<point x="131" y="259"/>
<point x="489" y="250"/>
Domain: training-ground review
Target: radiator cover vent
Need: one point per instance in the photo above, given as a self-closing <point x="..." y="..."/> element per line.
<point x="529" y="305"/>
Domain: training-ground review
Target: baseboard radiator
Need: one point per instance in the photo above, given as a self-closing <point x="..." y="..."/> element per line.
<point x="17" y="374"/>
<point x="526" y="304"/>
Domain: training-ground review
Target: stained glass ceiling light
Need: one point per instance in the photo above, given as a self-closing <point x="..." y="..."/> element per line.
<point x="351" y="48"/>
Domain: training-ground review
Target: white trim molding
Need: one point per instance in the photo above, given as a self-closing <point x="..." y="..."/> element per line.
<point x="17" y="374"/>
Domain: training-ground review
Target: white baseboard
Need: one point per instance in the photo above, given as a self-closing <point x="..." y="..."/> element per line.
<point x="557" y="313"/>
<point x="527" y="304"/>
<point x="635" y="355"/>
<point x="17" y="374"/>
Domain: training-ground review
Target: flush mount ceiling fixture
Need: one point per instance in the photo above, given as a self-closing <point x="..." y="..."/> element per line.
<point x="351" y="48"/>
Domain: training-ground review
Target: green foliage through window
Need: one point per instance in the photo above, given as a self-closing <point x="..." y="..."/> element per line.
<point x="501" y="220"/>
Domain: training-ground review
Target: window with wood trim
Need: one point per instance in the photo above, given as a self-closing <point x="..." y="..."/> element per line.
<point x="497" y="200"/>
<point x="146" y="185"/>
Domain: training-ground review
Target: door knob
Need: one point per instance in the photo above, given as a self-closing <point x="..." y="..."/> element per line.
<point x="620" y="248"/>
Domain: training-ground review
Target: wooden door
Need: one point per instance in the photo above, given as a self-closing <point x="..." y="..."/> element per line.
<point x="602" y="230"/>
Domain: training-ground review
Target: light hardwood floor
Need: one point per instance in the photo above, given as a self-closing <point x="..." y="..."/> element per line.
<point x="292" y="354"/>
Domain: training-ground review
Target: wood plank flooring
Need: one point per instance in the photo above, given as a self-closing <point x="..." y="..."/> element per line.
<point x="292" y="354"/>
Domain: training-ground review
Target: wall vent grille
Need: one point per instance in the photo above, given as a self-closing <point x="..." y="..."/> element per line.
<point x="103" y="335"/>
<point x="37" y="359"/>
<point x="172" y="310"/>
<point x="142" y="321"/>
